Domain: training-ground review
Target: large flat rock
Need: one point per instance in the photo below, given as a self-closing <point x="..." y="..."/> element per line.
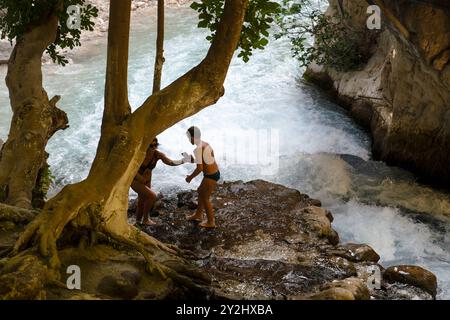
<point x="271" y="242"/>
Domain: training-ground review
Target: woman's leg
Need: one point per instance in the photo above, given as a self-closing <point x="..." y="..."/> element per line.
<point x="139" y="209"/>
<point x="148" y="198"/>
<point x="148" y="205"/>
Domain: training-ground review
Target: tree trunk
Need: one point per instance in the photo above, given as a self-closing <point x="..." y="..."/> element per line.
<point x="100" y="202"/>
<point x="159" y="61"/>
<point x="35" y="117"/>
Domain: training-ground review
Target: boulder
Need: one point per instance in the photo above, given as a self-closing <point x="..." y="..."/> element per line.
<point x="315" y="202"/>
<point x="333" y="237"/>
<point x="332" y="294"/>
<point x="118" y="287"/>
<point x="357" y="252"/>
<point x="356" y="286"/>
<point x="412" y="275"/>
<point x="132" y="277"/>
<point x="319" y="222"/>
<point x="346" y="289"/>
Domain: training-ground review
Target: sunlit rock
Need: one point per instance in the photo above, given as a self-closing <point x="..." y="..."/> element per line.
<point x="402" y="93"/>
<point x="412" y="275"/>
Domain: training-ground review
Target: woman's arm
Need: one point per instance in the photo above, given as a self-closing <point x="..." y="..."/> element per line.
<point x="166" y="160"/>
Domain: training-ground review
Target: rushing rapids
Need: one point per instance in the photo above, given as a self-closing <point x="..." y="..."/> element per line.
<point x="321" y="151"/>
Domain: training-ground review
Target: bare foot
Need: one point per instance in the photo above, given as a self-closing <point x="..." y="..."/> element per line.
<point x="149" y="223"/>
<point x="194" y="217"/>
<point x="206" y="224"/>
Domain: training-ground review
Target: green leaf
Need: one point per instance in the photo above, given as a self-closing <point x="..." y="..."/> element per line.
<point x="258" y="19"/>
<point x="18" y="16"/>
<point x="263" y="42"/>
<point x="203" y="24"/>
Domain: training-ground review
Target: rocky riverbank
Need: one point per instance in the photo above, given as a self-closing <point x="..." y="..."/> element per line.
<point x="101" y="24"/>
<point x="272" y="242"/>
<point x="402" y="93"/>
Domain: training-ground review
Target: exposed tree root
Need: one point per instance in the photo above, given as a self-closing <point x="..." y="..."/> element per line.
<point x="26" y="235"/>
<point x="151" y="265"/>
<point x="16" y="214"/>
<point x="74" y="210"/>
<point x="24" y="277"/>
<point x="150" y="242"/>
<point x="174" y="267"/>
<point x="48" y="226"/>
<point x="168" y="261"/>
<point x="100" y="201"/>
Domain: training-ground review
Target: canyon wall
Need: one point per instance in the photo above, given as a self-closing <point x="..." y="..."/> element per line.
<point x="402" y="94"/>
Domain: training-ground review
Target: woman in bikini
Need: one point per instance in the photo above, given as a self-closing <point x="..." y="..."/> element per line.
<point x="142" y="182"/>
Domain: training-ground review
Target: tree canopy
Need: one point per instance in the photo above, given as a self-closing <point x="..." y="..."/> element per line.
<point x="19" y="16"/>
<point x="315" y="36"/>
<point x="255" y="31"/>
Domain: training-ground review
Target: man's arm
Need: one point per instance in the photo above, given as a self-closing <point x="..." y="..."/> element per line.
<point x="199" y="168"/>
<point x="196" y="172"/>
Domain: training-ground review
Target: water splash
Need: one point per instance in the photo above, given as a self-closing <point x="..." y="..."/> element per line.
<point x="398" y="238"/>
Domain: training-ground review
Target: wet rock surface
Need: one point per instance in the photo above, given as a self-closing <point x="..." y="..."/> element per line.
<point x="413" y="275"/>
<point x="357" y="253"/>
<point x="347" y="289"/>
<point x="272" y="242"/>
<point x="118" y="287"/>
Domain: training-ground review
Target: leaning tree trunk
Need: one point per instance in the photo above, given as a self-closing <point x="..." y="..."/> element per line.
<point x="100" y="202"/>
<point x="159" y="60"/>
<point x="35" y="117"/>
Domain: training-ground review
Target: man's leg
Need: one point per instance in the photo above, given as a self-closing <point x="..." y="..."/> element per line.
<point x="198" y="215"/>
<point x="210" y="186"/>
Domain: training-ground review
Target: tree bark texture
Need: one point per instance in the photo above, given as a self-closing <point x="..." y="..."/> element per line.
<point x="100" y="202"/>
<point x="35" y="117"/>
<point x="159" y="61"/>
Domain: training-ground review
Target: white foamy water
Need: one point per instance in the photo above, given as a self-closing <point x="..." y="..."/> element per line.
<point x="319" y="149"/>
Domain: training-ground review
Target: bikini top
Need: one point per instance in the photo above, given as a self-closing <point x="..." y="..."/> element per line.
<point x="151" y="164"/>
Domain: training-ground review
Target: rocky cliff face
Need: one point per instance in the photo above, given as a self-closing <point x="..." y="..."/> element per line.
<point x="402" y="94"/>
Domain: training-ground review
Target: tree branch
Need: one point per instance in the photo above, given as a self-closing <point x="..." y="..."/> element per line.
<point x="200" y="87"/>
<point x="117" y="106"/>
<point x="159" y="60"/>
